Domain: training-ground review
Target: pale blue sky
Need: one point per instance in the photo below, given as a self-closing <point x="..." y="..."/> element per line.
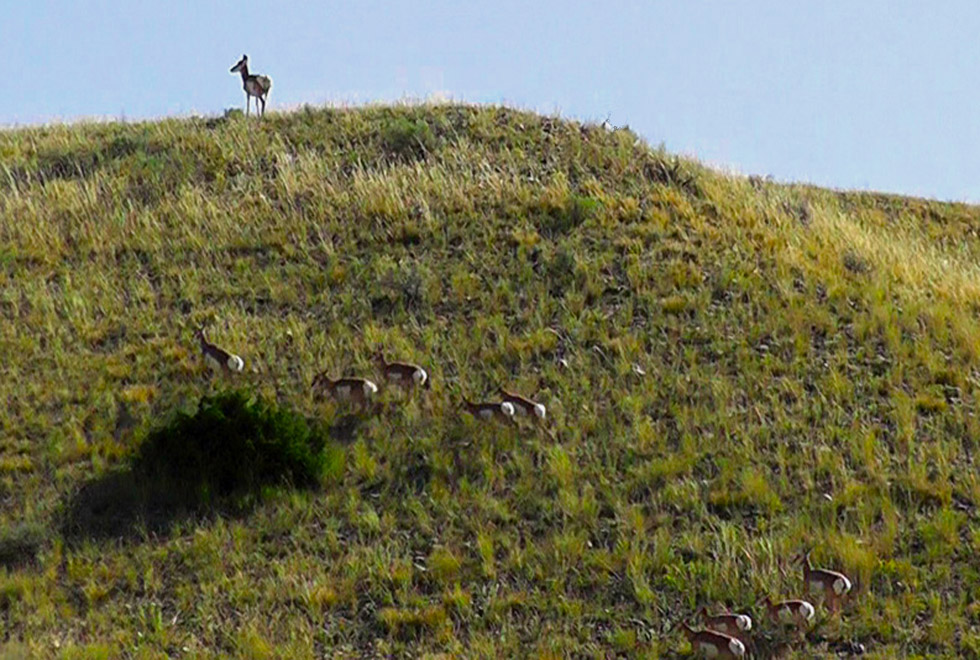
<point x="846" y="93"/>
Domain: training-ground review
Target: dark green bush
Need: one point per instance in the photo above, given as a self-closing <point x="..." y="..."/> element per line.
<point x="235" y="443"/>
<point x="408" y="140"/>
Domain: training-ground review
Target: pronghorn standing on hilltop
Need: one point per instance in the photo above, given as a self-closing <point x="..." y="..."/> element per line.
<point x="255" y="85"/>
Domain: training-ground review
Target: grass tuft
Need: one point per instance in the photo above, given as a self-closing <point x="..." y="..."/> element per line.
<point x="20" y="544"/>
<point x="408" y="139"/>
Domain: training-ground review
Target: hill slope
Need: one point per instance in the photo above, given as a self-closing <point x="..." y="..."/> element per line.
<point x="753" y="369"/>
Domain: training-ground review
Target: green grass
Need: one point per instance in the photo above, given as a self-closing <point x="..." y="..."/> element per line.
<point x="810" y="380"/>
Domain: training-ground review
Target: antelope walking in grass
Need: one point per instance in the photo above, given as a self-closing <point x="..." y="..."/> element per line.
<point x="833" y="586"/>
<point x="404" y="374"/>
<point x="523" y="405"/>
<point x="503" y="410"/>
<point x="712" y="644"/>
<point x="791" y="612"/>
<point x="736" y="625"/>
<point x="357" y="390"/>
<point x="255" y="85"/>
<point x="218" y="358"/>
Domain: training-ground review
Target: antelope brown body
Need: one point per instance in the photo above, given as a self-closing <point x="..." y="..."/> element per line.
<point x="523" y="405"/>
<point x="218" y="358"/>
<point x="501" y="410"/>
<point x="730" y="623"/>
<point x="404" y="374"/>
<point x="833" y="586"/>
<point x="791" y="612"/>
<point x="712" y="644"/>
<point x="357" y="390"/>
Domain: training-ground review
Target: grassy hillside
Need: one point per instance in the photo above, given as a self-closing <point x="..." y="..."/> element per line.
<point x="752" y="369"/>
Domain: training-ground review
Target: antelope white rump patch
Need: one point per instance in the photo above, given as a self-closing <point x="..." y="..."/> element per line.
<point x="235" y="363"/>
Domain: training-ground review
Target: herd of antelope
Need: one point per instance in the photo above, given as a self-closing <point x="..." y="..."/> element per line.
<point x="728" y="634"/>
<point x="360" y="392"/>
<point x="725" y="635"/>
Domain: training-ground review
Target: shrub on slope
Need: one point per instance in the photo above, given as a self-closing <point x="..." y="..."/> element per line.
<point x="235" y="443"/>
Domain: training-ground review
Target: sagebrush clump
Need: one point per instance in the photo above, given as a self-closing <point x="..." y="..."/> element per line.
<point x="235" y="442"/>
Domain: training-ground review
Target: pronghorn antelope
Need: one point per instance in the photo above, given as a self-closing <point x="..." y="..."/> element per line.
<point x="736" y="625"/>
<point x="711" y="644"/>
<point x="522" y="404"/>
<point x="357" y="390"/>
<point x="218" y="358"/>
<point x="791" y="612"/>
<point x="503" y="410"/>
<point x="832" y="585"/>
<point x="403" y="374"/>
<point x="257" y="86"/>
